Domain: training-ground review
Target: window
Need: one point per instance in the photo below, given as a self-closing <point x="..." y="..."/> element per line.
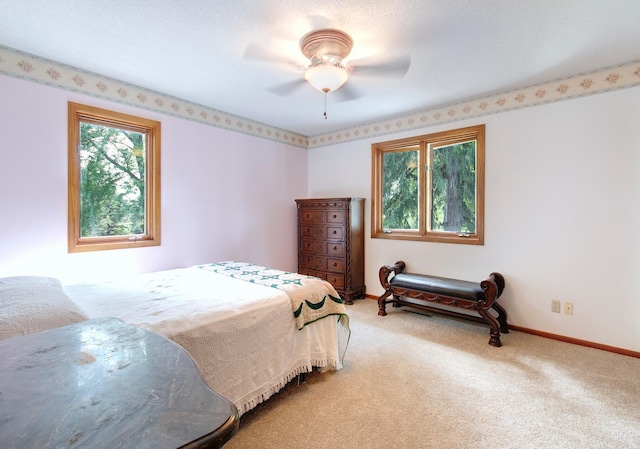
<point x="430" y="188"/>
<point x="114" y="180"/>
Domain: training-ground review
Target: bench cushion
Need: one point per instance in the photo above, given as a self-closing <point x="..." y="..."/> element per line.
<point x="439" y="286"/>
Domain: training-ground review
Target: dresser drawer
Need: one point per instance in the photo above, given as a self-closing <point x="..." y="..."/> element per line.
<point x="335" y="216"/>
<point x="335" y="249"/>
<point x="307" y="216"/>
<point x="307" y="231"/>
<point x="335" y="265"/>
<point x="308" y="246"/>
<point x="337" y="280"/>
<point x="335" y="233"/>
<point x="308" y="261"/>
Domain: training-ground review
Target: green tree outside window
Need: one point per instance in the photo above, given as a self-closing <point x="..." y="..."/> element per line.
<point x="114" y="180"/>
<point x="430" y="187"/>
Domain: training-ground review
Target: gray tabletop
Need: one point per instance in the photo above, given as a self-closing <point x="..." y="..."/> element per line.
<point x="103" y="383"/>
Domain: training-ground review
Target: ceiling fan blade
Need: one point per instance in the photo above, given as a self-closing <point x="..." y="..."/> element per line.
<point x="396" y="67"/>
<point x="347" y="93"/>
<point x="258" y="53"/>
<point x="287" y="88"/>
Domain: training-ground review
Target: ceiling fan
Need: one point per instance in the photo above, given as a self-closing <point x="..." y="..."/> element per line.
<point x="327" y="71"/>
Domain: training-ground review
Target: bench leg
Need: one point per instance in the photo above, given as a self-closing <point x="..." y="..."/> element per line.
<point x="382" y="303"/>
<point x="494" y="332"/>
<point x="502" y="317"/>
<point x="494" y="340"/>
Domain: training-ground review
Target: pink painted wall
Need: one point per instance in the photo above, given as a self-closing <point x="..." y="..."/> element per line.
<point x="224" y="195"/>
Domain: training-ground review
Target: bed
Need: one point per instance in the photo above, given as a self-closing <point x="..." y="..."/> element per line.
<point x="251" y="329"/>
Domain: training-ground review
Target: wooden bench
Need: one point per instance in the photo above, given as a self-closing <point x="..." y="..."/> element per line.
<point x="422" y="292"/>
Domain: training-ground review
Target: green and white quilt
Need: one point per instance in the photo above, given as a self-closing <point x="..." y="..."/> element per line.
<point x="311" y="298"/>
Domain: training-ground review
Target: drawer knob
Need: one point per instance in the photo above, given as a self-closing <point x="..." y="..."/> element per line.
<point x="335" y="264"/>
<point x="335" y="248"/>
<point x="335" y="216"/>
<point x="335" y="232"/>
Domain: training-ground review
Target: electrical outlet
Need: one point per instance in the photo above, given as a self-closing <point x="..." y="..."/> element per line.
<point x="568" y="308"/>
<point x="555" y="306"/>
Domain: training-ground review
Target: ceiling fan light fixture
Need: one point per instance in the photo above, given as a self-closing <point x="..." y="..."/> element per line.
<point x="326" y="78"/>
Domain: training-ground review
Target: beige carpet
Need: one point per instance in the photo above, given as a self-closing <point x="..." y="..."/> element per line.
<point x="414" y="381"/>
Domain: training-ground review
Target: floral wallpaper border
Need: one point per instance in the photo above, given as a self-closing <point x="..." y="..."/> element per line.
<point x="599" y="81"/>
<point x="33" y="68"/>
<point x="44" y="71"/>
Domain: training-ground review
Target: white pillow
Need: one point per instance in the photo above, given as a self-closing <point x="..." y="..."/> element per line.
<point x="33" y="304"/>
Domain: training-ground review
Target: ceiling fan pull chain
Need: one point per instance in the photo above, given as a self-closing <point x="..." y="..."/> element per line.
<point x="325" y="102"/>
<point x="325" y="105"/>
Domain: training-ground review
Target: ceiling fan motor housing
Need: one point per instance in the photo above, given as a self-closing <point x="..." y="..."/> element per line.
<point x="326" y="47"/>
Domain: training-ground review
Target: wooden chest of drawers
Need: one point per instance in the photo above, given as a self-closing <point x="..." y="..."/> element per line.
<point x="331" y="243"/>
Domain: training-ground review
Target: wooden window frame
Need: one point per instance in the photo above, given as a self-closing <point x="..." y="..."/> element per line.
<point x="423" y="144"/>
<point x="82" y="113"/>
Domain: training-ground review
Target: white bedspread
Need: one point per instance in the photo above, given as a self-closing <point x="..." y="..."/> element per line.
<point x="242" y="335"/>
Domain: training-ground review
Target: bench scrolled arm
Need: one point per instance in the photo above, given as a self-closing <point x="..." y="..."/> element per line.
<point x="491" y="291"/>
<point x="499" y="280"/>
<point x="492" y="287"/>
<point x="387" y="270"/>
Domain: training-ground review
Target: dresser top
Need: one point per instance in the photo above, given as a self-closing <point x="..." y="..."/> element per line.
<point x="331" y="199"/>
<point x="327" y="202"/>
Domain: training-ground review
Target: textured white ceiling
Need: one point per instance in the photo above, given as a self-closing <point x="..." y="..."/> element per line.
<point x="193" y="49"/>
